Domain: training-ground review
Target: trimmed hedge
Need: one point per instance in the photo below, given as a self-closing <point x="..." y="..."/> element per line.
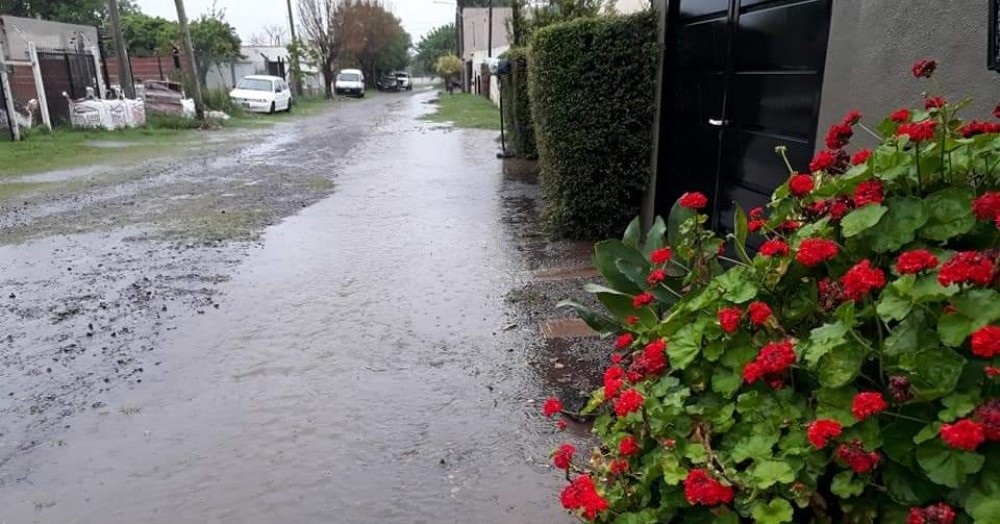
<point x="592" y="88"/>
<point x="517" y="106"/>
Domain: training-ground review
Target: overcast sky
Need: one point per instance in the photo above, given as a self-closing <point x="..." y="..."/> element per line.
<point x="249" y="16"/>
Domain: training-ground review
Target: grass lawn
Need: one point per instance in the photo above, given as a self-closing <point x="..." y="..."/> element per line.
<point x="466" y="110"/>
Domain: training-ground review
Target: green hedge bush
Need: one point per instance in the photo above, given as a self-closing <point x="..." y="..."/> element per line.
<point x="592" y="83"/>
<point x="517" y="106"/>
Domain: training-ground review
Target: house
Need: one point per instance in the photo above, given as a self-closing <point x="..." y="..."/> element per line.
<point x="741" y="77"/>
<point x="260" y="60"/>
<point x="481" y="44"/>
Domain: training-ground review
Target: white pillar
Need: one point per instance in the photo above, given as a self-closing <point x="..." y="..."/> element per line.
<point x="100" y="71"/>
<point x="43" y="102"/>
<point x="8" y="96"/>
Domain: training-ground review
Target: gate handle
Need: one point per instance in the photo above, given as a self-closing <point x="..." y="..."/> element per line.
<point x="718" y="122"/>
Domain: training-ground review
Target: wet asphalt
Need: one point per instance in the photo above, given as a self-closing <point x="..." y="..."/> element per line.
<point x="344" y="350"/>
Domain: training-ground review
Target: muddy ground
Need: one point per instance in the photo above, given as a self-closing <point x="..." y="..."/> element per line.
<point x="336" y="317"/>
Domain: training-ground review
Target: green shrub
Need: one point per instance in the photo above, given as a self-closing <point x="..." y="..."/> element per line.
<point x="218" y="100"/>
<point x="592" y="84"/>
<point x="517" y="106"/>
<point x="846" y="373"/>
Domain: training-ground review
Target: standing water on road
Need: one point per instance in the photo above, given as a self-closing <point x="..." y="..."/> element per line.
<point x="358" y="368"/>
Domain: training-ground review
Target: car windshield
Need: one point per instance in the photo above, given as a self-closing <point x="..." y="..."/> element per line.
<point x="255" y="84"/>
<point x="348" y="77"/>
<point x="402" y="75"/>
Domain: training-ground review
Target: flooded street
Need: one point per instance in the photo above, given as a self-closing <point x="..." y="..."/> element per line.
<point x="356" y="362"/>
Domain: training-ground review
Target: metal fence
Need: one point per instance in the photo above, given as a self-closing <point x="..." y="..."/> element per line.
<point x="5" y="119"/>
<point x="70" y="73"/>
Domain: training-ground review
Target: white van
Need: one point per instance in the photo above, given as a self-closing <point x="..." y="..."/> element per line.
<point x="350" y="82"/>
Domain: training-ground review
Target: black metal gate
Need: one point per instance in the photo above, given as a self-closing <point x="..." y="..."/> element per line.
<point x="6" y="121"/>
<point x="70" y="73"/>
<point x="276" y="68"/>
<point x="741" y="77"/>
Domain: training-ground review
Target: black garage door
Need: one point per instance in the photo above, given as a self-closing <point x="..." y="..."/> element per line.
<point x="741" y="77"/>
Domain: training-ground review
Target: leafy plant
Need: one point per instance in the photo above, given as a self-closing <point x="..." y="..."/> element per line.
<point x="844" y="373"/>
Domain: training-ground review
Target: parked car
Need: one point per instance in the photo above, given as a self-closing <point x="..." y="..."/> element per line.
<point x="404" y="80"/>
<point x="387" y="83"/>
<point x="262" y="94"/>
<point x="350" y="82"/>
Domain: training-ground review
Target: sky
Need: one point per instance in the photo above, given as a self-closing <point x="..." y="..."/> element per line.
<point x="249" y="16"/>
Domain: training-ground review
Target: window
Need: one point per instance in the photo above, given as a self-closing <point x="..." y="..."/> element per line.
<point x="255" y="84"/>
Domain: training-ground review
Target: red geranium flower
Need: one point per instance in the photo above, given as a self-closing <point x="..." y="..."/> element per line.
<point x="618" y="467"/>
<point x="552" y="406"/>
<point x="629" y="402"/>
<point x="856" y="458"/>
<point x="996" y="111"/>
<point x="693" y="200"/>
<point x="729" y="319"/>
<point x="913" y="262"/>
<point x="899" y="388"/>
<point x="868" y="192"/>
<point x="756" y="225"/>
<point x="624" y="341"/>
<point x="918" y="132"/>
<point x="582" y="494"/>
<point x="861" y="157"/>
<point x="852" y="117"/>
<point x="839" y="136"/>
<point x="614" y="379"/>
<point x="861" y="280"/>
<point x="774" y="248"/>
<point x="934" y="103"/>
<point x="561" y="425"/>
<point x="924" y="68"/>
<point x="986" y="342"/>
<point x="987" y="207"/>
<point x="631" y="320"/>
<point x="975" y="128"/>
<point x="653" y="359"/>
<point x="642" y="300"/>
<point x="992" y="371"/>
<point x="821" y="431"/>
<point x="774" y="358"/>
<point x="627" y="447"/>
<point x="701" y="488"/>
<point x="964" y="434"/>
<point x="757" y="212"/>
<point x="760" y="313"/>
<point x="563" y="457"/>
<point x="901" y="116"/>
<point x="989" y="415"/>
<point x="801" y="185"/>
<point x="839" y="208"/>
<point x="967" y="267"/>
<point x="867" y="404"/>
<point x="656" y="276"/>
<point x="790" y="226"/>
<point x="939" y="513"/>
<point x="823" y="161"/>
<point x="815" y="251"/>
<point x="661" y="256"/>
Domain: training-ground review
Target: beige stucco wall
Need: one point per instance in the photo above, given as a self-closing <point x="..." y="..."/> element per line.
<point x="476" y="25"/>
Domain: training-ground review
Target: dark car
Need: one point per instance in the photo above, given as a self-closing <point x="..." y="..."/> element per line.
<point x="387" y="83"/>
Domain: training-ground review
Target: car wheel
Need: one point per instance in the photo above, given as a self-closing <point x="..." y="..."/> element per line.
<point x="271" y="112"/>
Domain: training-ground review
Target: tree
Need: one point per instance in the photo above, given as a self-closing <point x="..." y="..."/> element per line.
<point x="85" y="12"/>
<point x="372" y="37"/>
<point x="147" y="35"/>
<point x="322" y="37"/>
<point x="439" y="42"/>
<point x="270" y="35"/>
<point x="215" y="42"/>
<point x="448" y="67"/>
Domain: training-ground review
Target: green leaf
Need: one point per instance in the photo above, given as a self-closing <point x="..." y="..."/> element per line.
<point x="673" y="473"/>
<point x="981" y="305"/>
<point x="597" y="321"/>
<point x="836" y="404"/>
<point x="900" y="225"/>
<point x="892" y="305"/>
<point x="933" y="372"/>
<point x="840" y="367"/>
<point x="987" y="512"/>
<point x="655" y="239"/>
<point x="606" y="257"/>
<point x="678" y="215"/>
<point x="928" y="432"/>
<point x="950" y="214"/>
<point x="741" y="226"/>
<point x="912" y="334"/>
<point x="737" y="285"/>
<point x="685" y="345"/>
<point x="946" y="466"/>
<point x="954" y="329"/>
<point x="899" y="444"/>
<point x="726" y="381"/>
<point x="777" y="511"/>
<point x="766" y="473"/>
<point x="846" y="485"/>
<point x="860" y="220"/>
<point x="633" y="233"/>
<point x="906" y="487"/>
<point x="957" y="406"/>
<point x="757" y="447"/>
<point x="824" y="339"/>
<point x="926" y="288"/>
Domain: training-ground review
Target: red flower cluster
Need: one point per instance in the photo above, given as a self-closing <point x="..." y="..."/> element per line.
<point x="561" y="425"/>
<point x="582" y="494"/>
<point x="861" y="157"/>
<point x="868" y="192"/>
<point x="661" y="256"/>
<point x="856" y="458"/>
<point x="701" y="488"/>
<point x="901" y="116"/>
<point x="760" y="313"/>
<point x="821" y="431"/>
<point x="913" y="262"/>
<point x="991" y="371"/>
<point x="774" y="248"/>
<point x="552" y="407"/>
<point x="934" y="103"/>
<point x="986" y="342"/>
<point x="939" y="513"/>
<point x="653" y="359"/>
<point x="825" y="160"/>
<point x="624" y="341"/>
<point x="790" y="226"/>
<point x="563" y="456"/>
<point x="627" y="447"/>
<point x="867" y="404"/>
<point x="618" y="467"/>
<point x="801" y="185"/>
<point x="996" y="111"/>
<point x="629" y="402"/>
<point x="693" y="201"/>
<point x="979" y="128"/>
<point x="656" y="276"/>
<point x="919" y="131"/>
<point x="815" y="251"/>
<point x="774" y="359"/>
<point x="614" y="379"/>
<point x="756" y="225"/>
<point x="967" y="267"/>
<point x="631" y="320"/>
<point x="987" y="207"/>
<point x="836" y="208"/>
<point x="729" y="319"/>
<point x="965" y="434"/>
<point x="861" y="280"/>
<point x="989" y="415"/>
<point x="899" y="388"/>
<point x="839" y="135"/>
<point x="924" y="68"/>
<point x="852" y="117"/>
<point x="642" y="300"/>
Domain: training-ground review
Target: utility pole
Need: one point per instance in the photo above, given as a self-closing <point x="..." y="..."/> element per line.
<point x="296" y="85"/>
<point x="489" y="38"/>
<point x="124" y="69"/>
<point x="182" y="20"/>
<point x="460" y="37"/>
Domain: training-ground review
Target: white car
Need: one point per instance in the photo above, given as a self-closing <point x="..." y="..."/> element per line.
<point x="350" y="82"/>
<point x="262" y="94"/>
<point x="404" y="81"/>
